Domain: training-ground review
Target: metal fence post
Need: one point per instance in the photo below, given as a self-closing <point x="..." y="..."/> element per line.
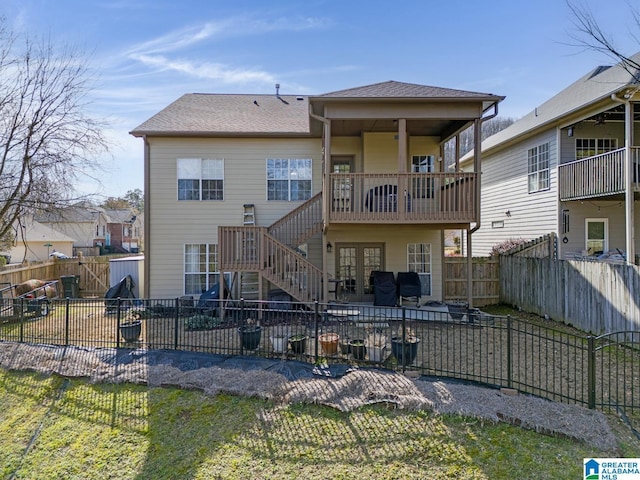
<point x="509" y="354"/>
<point x="404" y="338"/>
<point x="241" y="325"/>
<point x="591" y="367"/>
<point x="175" y="324"/>
<point x="22" y="320"/>
<point x="66" y="322"/>
<point x="118" y="323"/>
<point x="315" y="321"/>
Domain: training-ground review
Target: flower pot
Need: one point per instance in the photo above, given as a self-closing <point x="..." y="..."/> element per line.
<point x="250" y="336"/>
<point x="329" y="343"/>
<point x="457" y="310"/>
<point x="131" y="331"/>
<point x="345" y="348"/>
<point x="405" y="352"/>
<point x="376" y="353"/>
<point x="298" y="344"/>
<point x="280" y="344"/>
<point x="358" y="350"/>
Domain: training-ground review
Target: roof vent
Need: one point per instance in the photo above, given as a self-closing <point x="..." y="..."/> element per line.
<point x="277" y="89"/>
<point x="299" y="98"/>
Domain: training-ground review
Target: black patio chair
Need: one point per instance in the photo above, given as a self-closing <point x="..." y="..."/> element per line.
<point x="409" y="286"/>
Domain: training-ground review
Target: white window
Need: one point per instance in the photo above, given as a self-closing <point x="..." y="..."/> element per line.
<point x="288" y="179"/>
<point x="589" y="147"/>
<point x="423" y="187"/>
<point x="597" y="235"/>
<point x="538" y="161"/>
<point x="419" y="261"/>
<point x="200" y="179"/>
<point x="200" y="268"/>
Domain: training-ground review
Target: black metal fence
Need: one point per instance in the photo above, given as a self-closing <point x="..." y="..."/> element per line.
<point x="555" y="363"/>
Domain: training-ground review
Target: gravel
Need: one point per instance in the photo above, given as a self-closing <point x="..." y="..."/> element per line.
<point x="280" y="383"/>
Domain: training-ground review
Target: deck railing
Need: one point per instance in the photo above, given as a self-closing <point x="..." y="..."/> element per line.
<point x="290" y="271"/>
<point x="597" y="176"/>
<point x="403" y="198"/>
<point x="300" y="224"/>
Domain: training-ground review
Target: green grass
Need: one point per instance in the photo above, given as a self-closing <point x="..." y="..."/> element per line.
<point x="52" y="427"/>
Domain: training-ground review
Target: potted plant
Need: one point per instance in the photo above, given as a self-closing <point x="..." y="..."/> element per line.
<point x="250" y="334"/>
<point x="131" y="327"/>
<point x="345" y="348"/>
<point x="329" y="343"/>
<point x="457" y="310"/>
<point x="358" y="349"/>
<point x="280" y="338"/>
<point x="405" y="349"/>
<point x="298" y="343"/>
<point x="376" y="344"/>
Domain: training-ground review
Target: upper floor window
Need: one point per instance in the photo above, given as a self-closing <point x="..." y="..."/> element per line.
<point x="200" y="179"/>
<point x="288" y="179"/>
<point x="589" y="147"/>
<point x="538" y="161"/>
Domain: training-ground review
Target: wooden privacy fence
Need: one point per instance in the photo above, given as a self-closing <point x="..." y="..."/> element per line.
<point x="593" y="296"/>
<point x="485" y="277"/>
<point x="93" y="273"/>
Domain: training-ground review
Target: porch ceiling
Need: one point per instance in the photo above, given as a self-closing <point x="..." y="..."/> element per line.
<point x="431" y="127"/>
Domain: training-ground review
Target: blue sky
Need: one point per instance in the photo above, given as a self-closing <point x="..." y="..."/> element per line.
<point x="146" y="53"/>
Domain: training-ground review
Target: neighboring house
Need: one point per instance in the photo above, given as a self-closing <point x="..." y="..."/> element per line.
<point x="86" y="223"/>
<point x="572" y="166"/>
<point x="34" y="241"/>
<point x="125" y="231"/>
<point x="301" y="194"/>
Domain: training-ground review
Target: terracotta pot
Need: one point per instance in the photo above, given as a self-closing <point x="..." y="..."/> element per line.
<point x="329" y="343"/>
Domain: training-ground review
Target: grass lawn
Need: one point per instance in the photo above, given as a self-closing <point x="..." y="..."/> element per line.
<point x="51" y="427"/>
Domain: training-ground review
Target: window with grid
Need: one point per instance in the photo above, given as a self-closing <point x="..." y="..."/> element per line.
<point x="200" y="179"/>
<point x="589" y="147"/>
<point x="538" y="161"/>
<point x="288" y="179"/>
<point x="419" y="261"/>
<point x="200" y="268"/>
<point x="423" y="187"/>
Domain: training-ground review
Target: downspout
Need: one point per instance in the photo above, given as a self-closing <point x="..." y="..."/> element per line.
<point x="326" y="146"/>
<point x="628" y="186"/>
<point x="476" y="167"/>
<point x="147" y="218"/>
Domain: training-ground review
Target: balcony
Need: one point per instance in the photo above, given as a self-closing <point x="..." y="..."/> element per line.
<point x="599" y="176"/>
<point x="402" y="198"/>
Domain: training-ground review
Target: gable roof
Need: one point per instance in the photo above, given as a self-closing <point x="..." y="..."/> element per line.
<point x="199" y="114"/>
<point x="596" y="86"/>
<point x="397" y="90"/>
<point x="75" y="214"/>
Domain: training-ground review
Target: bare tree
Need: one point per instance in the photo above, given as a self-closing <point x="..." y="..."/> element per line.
<point x="46" y="139"/>
<point x="590" y="35"/>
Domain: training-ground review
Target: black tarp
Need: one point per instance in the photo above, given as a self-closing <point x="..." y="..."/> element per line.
<point x="384" y="289"/>
<point x="123" y="290"/>
<point x="209" y="300"/>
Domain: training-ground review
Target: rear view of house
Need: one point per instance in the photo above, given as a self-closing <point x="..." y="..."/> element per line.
<point x="309" y="195"/>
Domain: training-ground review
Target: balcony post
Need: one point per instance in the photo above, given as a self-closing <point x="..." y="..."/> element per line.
<point x="629" y="210"/>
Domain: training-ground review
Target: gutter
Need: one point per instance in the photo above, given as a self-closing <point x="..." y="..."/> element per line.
<point x="147" y="216"/>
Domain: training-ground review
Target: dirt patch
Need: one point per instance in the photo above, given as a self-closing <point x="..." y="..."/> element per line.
<point x="357" y="388"/>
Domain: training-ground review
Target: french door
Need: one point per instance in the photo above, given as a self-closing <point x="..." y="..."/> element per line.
<point x="354" y="264"/>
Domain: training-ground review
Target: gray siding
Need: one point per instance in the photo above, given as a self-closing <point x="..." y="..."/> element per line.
<point x="504" y="188"/>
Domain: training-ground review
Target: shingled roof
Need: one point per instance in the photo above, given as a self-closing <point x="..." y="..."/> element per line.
<point x="198" y="114"/>
<point x="396" y="90"/>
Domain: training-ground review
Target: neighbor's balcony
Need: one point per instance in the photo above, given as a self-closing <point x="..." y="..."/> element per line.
<point x="598" y="176"/>
<point x="402" y="198"/>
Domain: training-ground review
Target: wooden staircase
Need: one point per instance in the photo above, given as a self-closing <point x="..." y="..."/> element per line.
<point x="271" y="252"/>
